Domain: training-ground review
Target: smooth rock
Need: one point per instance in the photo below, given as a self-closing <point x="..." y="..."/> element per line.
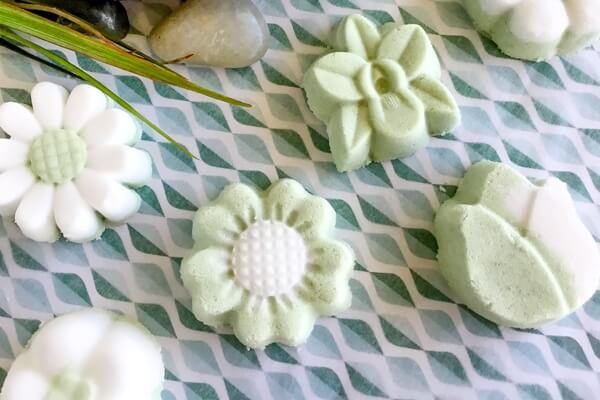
<point x="221" y="33"/>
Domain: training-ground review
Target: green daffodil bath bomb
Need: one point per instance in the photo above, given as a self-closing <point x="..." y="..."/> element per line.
<point x="379" y="93"/>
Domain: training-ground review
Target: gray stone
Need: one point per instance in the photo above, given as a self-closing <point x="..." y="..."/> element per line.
<point x="221" y="33"/>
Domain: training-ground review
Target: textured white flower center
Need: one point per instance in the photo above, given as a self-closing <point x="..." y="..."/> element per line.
<point x="57" y="156"/>
<point x="269" y="258"/>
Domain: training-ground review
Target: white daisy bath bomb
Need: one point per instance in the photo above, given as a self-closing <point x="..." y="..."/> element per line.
<point x="91" y="354"/>
<point x="537" y="29"/>
<point x="267" y="264"/>
<point x="67" y="165"/>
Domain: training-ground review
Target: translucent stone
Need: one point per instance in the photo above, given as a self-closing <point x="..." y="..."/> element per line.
<point x="221" y="33"/>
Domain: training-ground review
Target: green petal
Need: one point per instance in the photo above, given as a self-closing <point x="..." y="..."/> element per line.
<point x="293" y="322"/>
<point x="216" y="226"/>
<point x="313" y="218"/>
<point x="330" y="81"/>
<point x="326" y="281"/>
<point x="410" y="46"/>
<point x="441" y="111"/>
<point x="253" y="323"/>
<point x="350" y="137"/>
<point x="282" y="199"/>
<point x="242" y="201"/>
<point x="399" y="123"/>
<point x="358" y="35"/>
<point x="207" y="276"/>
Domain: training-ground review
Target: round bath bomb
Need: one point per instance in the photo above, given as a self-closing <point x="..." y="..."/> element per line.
<point x="514" y="251"/>
<point x="379" y="93"/>
<point x="537" y="29"/>
<point x="267" y="264"/>
<point x="67" y="165"/>
<point x="91" y="354"/>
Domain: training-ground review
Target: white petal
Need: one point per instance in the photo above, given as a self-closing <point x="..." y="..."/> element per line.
<point x="109" y="198"/>
<point x="18" y="121"/>
<point x="83" y="104"/>
<point x="35" y="214"/>
<point x="12" y="154"/>
<point x="69" y="340"/>
<point x="112" y="126"/>
<point x="23" y="383"/>
<point x="75" y="218"/>
<point x="48" y="101"/>
<point x="14" y="183"/>
<point x="122" y="163"/>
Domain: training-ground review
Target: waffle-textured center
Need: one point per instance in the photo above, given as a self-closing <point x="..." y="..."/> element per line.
<point x="57" y="156"/>
<point x="269" y="258"/>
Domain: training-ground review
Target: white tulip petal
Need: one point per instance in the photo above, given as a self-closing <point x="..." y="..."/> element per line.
<point x="49" y="101"/>
<point x="108" y="197"/>
<point x="14" y="183"/>
<point x="84" y="103"/>
<point x="112" y="126"/>
<point x="122" y="163"/>
<point x="35" y="214"/>
<point x="18" y="121"/>
<point x="12" y="154"/>
<point x="77" y="221"/>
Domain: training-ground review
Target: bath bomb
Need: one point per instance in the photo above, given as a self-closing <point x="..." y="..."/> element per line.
<point x="267" y="264"/>
<point x="537" y="29"/>
<point x="379" y="93"/>
<point x="67" y="165"/>
<point x="91" y="354"/>
<point x="513" y="251"/>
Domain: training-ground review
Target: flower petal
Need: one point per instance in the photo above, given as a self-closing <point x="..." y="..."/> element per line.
<point x="112" y="126"/>
<point x="242" y="201"/>
<point x="441" y="112"/>
<point x="122" y="163"/>
<point x="215" y="225"/>
<point x="68" y="341"/>
<point x="14" y="183"/>
<point x="313" y="218"/>
<point x="399" y="122"/>
<point x="326" y="281"/>
<point x="350" y="137"/>
<point x="207" y="276"/>
<point x="356" y="34"/>
<point x="293" y="322"/>
<point x="83" y="104"/>
<point x="75" y="218"/>
<point x="282" y="199"/>
<point x="111" y="199"/>
<point x="252" y="323"/>
<point x="410" y="46"/>
<point x="48" y="100"/>
<point x="23" y="383"/>
<point x="35" y="214"/>
<point x="12" y="154"/>
<point x="330" y="81"/>
<point x="18" y="121"/>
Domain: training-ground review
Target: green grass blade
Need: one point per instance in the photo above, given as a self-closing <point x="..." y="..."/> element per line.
<point x="24" y="21"/>
<point x="7" y="34"/>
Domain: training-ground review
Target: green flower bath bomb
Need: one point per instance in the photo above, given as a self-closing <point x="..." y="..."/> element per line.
<point x="537" y="29"/>
<point x="380" y="93"/>
<point x="514" y="251"/>
<point x="267" y="264"/>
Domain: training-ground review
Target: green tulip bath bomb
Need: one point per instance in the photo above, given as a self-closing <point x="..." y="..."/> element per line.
<point x="513" y="251"/>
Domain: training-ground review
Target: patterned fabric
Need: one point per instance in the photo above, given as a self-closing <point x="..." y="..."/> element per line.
<point x="403" y="336"/>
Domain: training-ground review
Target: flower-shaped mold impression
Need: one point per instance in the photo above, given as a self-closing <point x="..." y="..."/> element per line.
<point x="87" y="355"/>
<point x="67" y="163"/>
<point x="513" y="251"/>
<point x="537" y="29"/>
<point x="266" y="264"/>
<point x="380" y="94"/>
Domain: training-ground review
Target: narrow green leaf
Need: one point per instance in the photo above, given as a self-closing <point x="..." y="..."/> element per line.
<point x="24" y="21"/>
<point x="87" y="77"/>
